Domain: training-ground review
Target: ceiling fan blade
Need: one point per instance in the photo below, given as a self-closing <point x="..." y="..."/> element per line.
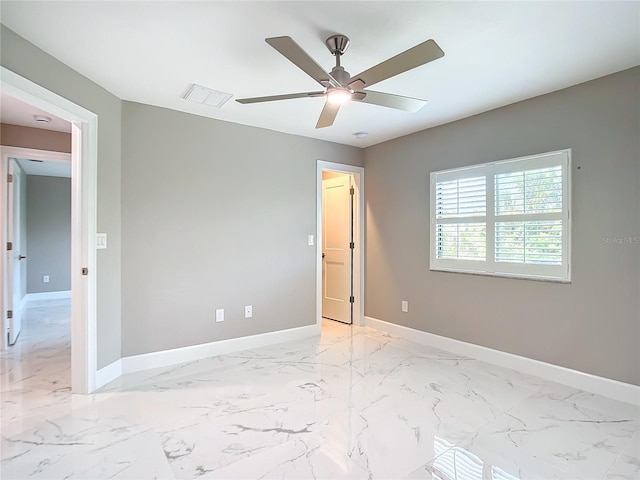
<point x="423" y="53"/>
<point x="328" y="115"/>
<point x="301" y="59"/>
<point x="279" y="97"/>
<point x="407" y="104"/>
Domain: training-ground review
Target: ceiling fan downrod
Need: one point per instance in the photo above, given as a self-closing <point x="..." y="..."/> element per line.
<point x="337" y="45"/>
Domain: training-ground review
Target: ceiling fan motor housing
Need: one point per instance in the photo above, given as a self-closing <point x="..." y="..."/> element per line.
<point x="341" y="75"/>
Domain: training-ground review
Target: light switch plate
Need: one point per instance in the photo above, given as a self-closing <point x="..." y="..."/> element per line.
<point x="310" y="240"/>
<point x="101" y="240"/>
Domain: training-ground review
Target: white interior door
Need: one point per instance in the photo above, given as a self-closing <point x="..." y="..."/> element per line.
<point x="337" y="235"/>
<point x="14" y="256"/>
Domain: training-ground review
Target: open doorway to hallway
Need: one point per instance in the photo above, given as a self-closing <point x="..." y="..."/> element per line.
<point x="84" y="156"/>
<point x="36" y="353"/>
<point x="42" y="254"/>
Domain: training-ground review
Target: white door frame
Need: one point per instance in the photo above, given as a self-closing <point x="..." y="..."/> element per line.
<point x="358" y="238"/>
<point x="84" y="160"/>
<point x="14" y="265"/>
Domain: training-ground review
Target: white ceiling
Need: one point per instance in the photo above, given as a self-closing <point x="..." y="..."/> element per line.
<point x="46" y="168"/>
<point x="496" y="53"/>
<point x="15" y="112"/>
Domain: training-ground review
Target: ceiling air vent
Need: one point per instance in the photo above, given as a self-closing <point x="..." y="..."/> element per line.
<point x="199" y="94"/>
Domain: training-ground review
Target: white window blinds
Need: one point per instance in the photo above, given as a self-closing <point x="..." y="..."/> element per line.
<point x="503" y="218"/>
<point x="457" y="200"/>
<point x="461" y="198"/>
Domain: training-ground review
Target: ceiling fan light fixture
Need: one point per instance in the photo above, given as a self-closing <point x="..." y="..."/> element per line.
<point x="338" y="96"/>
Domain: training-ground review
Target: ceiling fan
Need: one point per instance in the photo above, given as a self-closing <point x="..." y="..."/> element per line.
<point x="341" y="87"/>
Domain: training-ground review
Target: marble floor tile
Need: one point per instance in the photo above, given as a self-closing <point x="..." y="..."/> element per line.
<point x="627" y="466"/>
<point x="354" y="403"/>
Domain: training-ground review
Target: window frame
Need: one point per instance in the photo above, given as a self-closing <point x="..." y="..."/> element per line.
<point x="553" y="273"/>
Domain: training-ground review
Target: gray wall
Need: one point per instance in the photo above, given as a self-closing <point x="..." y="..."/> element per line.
<point x="591" y="325"/>
<point x="25" y="59"/>
<point x="215" y="215"/>
<point x="48" y="233"/>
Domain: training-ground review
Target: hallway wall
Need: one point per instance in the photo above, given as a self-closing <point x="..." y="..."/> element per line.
<point x="48" y="233"/>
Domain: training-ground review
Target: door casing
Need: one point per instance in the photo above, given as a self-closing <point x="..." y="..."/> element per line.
<point x="14" y="265"/>
<point x="358" y="238"/>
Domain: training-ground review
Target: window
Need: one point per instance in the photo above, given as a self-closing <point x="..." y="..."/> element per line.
<point x="507" y="218"/>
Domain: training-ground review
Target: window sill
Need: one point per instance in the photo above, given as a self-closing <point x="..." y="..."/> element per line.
<point x="536" y="278"/>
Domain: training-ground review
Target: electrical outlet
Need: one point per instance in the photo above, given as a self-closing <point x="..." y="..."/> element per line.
<point x="220" y="315"/>
<point x="248" y="311"/>
<point x="45" y="279"/>
<point x="405" y="306"/>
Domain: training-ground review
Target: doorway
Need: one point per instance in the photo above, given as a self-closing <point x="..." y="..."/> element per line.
<point x="340" y="248"/>
<point x="39" y="232"/>
<point x="337" y="246"/>
<point x="83" y="236"/>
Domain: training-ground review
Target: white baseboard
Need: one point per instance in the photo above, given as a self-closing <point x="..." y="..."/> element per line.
<point x="36" y="297"/>
<point x="164" y="358"/>
<point x="108" y="373"/>
<point x="624" y="392"/>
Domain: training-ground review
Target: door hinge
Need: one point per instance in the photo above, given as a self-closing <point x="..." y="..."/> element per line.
<point x="85" y="271"/>
<point x="9" y="314"/>
<point x="352" y="245"/>
<point x="9" y="246"/>
<point x="352" y="299"/>
<point x="352" y="191"/>
<point x="9" y="178"/>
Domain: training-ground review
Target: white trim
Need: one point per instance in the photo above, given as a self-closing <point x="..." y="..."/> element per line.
<point x="40" y="296"/>
<point x="84" y="161"/>
<point x="164" y="358"/>
<point x="36" y="154"/>
<point x="624" y="392"/>
<point x="359" y="238"/>
<point x="109" y="373"/>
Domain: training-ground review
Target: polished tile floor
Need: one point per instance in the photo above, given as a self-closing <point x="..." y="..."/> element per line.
<point x="355" y="403"/>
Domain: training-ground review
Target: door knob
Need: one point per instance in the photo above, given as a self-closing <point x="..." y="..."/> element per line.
<point x="20" y="257"/>
<point x="322" y="254"/>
